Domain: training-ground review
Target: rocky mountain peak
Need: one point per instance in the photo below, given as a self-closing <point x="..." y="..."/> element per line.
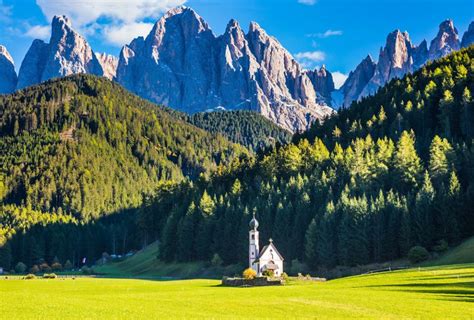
<point x="445" y="42"/>
<point x="323" y="84"/>
<point x="109" y="64"/>
<point x="67" y="53"/>
<point x="60" y="21"/>
<point x="358" y="80"/>
<point x="397" y="49"/>
<point x="468" y="37"/>
<point x="8" y="77"/>
<point x="183" y="65"/>
<point x="6" y="55"/>
<point x="395" y="59"/>
<point x="183" y="17"/>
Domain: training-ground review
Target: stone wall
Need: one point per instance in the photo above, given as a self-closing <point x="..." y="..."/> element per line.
<point x="241" y="282"/>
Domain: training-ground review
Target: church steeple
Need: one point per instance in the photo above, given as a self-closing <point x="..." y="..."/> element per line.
<point x="254" y="248"/>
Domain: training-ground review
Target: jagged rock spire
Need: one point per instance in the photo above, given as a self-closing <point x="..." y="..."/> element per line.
<point x="67" y="53"/>
<point x="8" y="77"/>
<point x="445" y="42"/>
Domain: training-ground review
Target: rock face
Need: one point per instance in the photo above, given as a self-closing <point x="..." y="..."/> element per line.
<point x="357" y="80"/>
<point x="67" y="53"/>
<point x="323" y="84"/>
<point x="8" y="78"/>
<point x="109" y="64"/>
<point x="395" y="60"/>
<point x="468" y="37"/>
<point x="445" y="42"/>
<point x="183" y="65"/>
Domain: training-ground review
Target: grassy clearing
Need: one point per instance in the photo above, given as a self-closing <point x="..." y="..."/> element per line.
<point x="431" y="293"/>
<point x="145" y="264"/>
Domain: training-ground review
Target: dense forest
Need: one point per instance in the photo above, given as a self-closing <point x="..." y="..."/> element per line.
<point x="392" y="171"/>
<point x="81" y="147"/>
<point x="247" y="128"/>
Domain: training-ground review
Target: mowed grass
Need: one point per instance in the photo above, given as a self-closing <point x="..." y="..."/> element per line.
<point x="431" y="293"/>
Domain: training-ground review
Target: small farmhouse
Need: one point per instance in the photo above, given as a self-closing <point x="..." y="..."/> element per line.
<point x="268" y="258"/>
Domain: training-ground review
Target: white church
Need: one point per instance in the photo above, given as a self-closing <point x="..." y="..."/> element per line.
<point x="267" y="259"/>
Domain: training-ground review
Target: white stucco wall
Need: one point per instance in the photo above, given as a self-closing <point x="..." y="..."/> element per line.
<point x="271" y="254"/>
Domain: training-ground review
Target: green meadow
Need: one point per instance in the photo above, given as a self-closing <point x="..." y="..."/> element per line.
<point x="422" y="293"/>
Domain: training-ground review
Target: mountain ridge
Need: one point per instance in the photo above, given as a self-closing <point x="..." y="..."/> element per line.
<point x="194" y="70"/>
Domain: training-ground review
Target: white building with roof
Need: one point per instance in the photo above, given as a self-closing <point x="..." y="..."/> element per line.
<point x="268" y="258"/>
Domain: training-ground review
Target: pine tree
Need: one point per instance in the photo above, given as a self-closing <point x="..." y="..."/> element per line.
<point x="311" y="244"/>
<point x="424" y="225"/>
<point x="406" y="161"/>
<point x="206" y="204"/>
<point x="441" y="159"/>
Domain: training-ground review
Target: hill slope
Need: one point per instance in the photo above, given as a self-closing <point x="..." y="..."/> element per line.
<point x="85" y="146"/>
<point x="247" y="128"/>
<point x="464" y="253"/>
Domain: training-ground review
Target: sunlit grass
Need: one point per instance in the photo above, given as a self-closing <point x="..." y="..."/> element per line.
<point x="431" y="293"/>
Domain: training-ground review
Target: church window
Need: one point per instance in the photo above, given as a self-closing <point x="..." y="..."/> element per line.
<point x="253" y="237"/>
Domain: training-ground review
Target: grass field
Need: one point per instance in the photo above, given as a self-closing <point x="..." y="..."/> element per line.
<point x="431" y="293"/>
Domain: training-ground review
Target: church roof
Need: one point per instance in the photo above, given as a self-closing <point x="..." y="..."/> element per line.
<point x="268" y="246"/>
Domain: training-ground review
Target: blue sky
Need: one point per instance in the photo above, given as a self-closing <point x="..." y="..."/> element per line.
<point x="336" y="33"/>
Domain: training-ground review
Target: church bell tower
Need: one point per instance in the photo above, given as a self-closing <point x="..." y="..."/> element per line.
<point x="254" y="249"/>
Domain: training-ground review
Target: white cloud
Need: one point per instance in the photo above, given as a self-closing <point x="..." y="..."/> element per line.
<point x="339" y="78"/>
<point x="39" y="32"/>
<point x="121" y="34"/>
<point x="307" y="2"/>
<point x="309" y="59"/>
<point x="5" y="12"/>
<point x="87" y="11"/>
<point x="325" y="34"/>
<point x="121" y="15"/>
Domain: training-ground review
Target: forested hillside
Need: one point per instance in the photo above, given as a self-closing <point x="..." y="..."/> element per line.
<point x="390" y="172"/>
<point x="83" y="147"/>
<point x="247" y="128"/>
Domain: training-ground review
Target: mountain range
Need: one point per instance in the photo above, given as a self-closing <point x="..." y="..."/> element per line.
<point x="182" y="64"/>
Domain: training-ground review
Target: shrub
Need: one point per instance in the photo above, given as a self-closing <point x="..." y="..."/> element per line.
<point x="29" y="276"/>
<point x="86" y="270"/>
<point x="268" y="273"/>
<point x="20" y="267"/>
<point x="418" y="254"/>
<point x="298" y="267"/>
<point x="216" y="260"/>
<point x="50" y="276"/>
<point x="68" y="265"/>
<point x="441" y="246"/>
<point x="34" y="269"/>
<point x="285" y="277"/>
<point x="44" y="267"/>
<point x="56" y="266"/>
<point x="249" y="274"/>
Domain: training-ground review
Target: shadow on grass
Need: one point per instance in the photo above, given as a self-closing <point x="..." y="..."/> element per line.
<point x="445" y="277"/>
<point x="455" y="291"/>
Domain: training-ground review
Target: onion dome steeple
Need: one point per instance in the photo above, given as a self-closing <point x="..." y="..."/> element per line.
<point x="253" y="223"/>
